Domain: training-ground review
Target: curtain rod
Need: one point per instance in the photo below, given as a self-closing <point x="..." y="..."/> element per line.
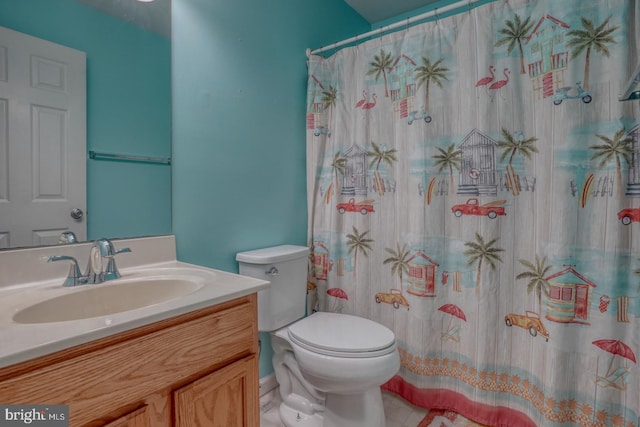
<point x="437" y="11"/>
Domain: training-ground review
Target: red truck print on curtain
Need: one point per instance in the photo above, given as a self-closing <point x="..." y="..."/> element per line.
<point x="363" y="207"/>
<point x="473" y="207"/>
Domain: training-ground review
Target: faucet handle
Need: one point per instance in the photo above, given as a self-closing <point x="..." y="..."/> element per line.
<point x="123" y="250"/>
<point x="108" y="251"/>
<point x="74" y="277"/>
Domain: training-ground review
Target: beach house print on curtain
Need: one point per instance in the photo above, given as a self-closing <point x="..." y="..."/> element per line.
<point x="474" y="185"/>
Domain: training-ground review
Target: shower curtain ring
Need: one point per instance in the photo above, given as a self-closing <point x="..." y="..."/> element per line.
<point x="436" y="13"/>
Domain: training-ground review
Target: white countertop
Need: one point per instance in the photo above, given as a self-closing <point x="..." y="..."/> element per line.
<point x="21" y="342"/>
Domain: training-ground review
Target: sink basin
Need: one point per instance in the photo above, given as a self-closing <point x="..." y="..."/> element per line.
<point x="105" y="299"/>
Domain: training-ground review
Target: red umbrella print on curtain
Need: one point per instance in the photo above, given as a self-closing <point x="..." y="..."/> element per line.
<point x="337" y="293"/>
<point x="616" y="348"/>
<point x="452" y="333"/>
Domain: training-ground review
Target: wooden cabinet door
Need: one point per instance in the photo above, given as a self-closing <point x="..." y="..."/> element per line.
<point x="137" y="418"/>
<point x="225" y="398"/>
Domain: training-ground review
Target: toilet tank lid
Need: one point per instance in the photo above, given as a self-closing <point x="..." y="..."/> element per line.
<point x="273" y="254"/>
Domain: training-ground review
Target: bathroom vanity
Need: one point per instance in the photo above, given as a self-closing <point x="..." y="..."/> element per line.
<point x="191" y="360"/>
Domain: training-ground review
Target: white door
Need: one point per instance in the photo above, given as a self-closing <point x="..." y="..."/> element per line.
<point x="42" y="140"/>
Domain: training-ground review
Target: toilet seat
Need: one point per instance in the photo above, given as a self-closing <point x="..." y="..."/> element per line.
<point x="342" y="335"/>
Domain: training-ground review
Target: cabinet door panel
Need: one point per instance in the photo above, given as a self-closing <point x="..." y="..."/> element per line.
<point x="137" y="418"/>
<point x="225" y="398"/>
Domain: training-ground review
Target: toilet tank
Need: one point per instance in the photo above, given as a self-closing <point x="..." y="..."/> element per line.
<point x="286" y="268"/>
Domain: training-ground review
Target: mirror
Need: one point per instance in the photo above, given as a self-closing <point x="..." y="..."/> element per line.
<point x="128" y="106"/>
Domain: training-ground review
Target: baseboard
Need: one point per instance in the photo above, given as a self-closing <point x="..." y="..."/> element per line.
<point x="267" y="384"/>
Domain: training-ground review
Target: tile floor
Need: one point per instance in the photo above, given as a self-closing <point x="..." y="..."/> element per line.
<point x="399" y="412"/>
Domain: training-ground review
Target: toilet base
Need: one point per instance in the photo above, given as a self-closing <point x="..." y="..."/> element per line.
<point x="355" y="410"/>
<point x="291" y="417"/>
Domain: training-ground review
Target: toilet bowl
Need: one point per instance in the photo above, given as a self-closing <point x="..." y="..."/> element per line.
<point x="329" y="366"/>
<point x="340" y="353"/>
<point x="343" y="360"/>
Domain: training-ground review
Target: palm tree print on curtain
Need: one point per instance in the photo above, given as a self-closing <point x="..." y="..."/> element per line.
<point x="552" y="257"/>
<point x="429" y="73"/>
<point x="480" y="252"/>
<point x="588" y="38"/>
<point x="338" y="166"/>
<point x="380" y="155"/>
<point x="357" y="241"/>
<point x="614" y="148"/>
<point x="514" y="33"/>
<point x="380" y="66"/>
<point x="537" y="274"/>
<point x="448" y="159"/>
<point x="328" y="102"/>
<point x="398" y="261"/>
<point x="512" y="146"/>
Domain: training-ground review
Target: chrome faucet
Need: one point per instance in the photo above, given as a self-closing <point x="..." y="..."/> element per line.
<point x="67" y="237"/>
<point x="74" y="277"/>
<point x="107" y="251"/>
<point x="101" y="251"/>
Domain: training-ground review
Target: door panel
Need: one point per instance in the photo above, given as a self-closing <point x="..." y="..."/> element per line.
<point x="42" y="140"/>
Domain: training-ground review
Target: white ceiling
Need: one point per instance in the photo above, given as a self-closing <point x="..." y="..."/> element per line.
<point x="153" y="16"/>
<point x="379" y="10"/>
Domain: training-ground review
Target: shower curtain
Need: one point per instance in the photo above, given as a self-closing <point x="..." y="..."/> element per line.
<point x="474" y="185"/>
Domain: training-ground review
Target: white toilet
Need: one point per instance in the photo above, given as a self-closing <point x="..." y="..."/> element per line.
<point x="329" y="366"/>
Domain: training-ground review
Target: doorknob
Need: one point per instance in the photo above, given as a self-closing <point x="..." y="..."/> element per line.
<point x="76" y="213"/>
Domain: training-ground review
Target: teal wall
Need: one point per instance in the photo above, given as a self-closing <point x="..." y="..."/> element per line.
<point x="128" y="110"/>
<point x="239" y="93"/>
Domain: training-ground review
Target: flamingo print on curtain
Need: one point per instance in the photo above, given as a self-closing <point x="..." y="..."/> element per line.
<point x="474" y="185"/>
